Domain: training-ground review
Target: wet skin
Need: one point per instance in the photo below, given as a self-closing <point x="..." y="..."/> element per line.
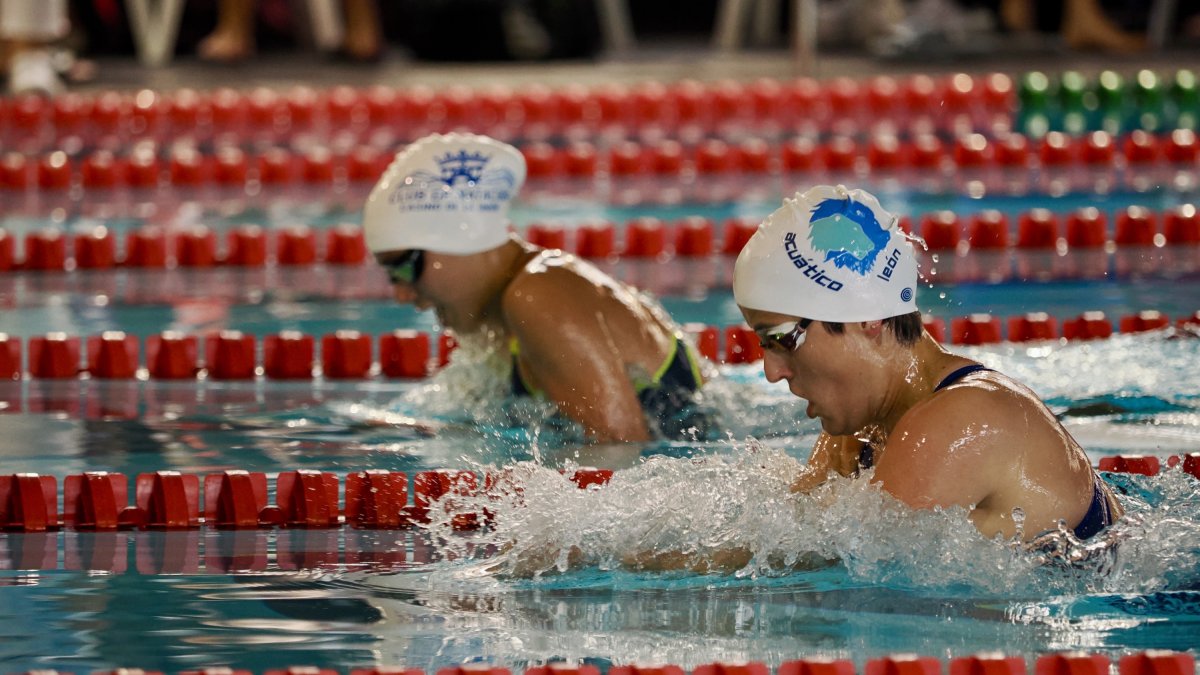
<point x="582" y="335"/>
<point x="985" y="443"/>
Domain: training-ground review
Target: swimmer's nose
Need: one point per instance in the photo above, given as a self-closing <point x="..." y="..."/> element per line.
<point x="775" y="367"/>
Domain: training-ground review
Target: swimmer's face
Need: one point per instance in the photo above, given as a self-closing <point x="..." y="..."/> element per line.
<point x="822" y="368"/>
<point x="446" y="284"/>
<point x="405" y="270"/>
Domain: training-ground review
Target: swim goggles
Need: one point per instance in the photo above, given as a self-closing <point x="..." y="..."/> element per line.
<point x="789" y="336"/>
<point x="406" y="268"/>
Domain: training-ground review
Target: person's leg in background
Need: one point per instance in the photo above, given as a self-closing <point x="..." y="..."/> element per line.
<point x="1084" y="24"/>
<point x="27" y="29"/>
<point x="233" y="38"/>
<point x="364" y="36"/>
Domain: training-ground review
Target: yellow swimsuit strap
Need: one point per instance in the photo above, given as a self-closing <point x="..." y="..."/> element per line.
<point x="514" y="349"/>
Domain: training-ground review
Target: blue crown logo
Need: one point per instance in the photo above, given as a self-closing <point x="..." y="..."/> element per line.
<point x="461" y="165"/>
<point x="848" y="233"/>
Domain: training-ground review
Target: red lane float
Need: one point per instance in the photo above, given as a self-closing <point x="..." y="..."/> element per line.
<point x="596" y="239"/>
<point x="288" y="356"/>
<point x="547" y="235"/>
<point x="246" y="246"/>
<point x="976" y="329"/>
<point x="113" y="355"/>
<point x="54" y="356"/>
<point x="1157" y="662"/>
<point x="230" y="167"/>
<point x="376" y="499"/>
<point x="1087" y="326"/>
<point x="45" y="250"/>
<point x="1032" y="326"/>
<point x="346" y="354"/>
<point x="737" y="231"/>
<point x="229" y="355"/>
<point x="1037" y="229"/>
<point x="195" y="247"/>
<point x="1140" y="464"/>
<point x="816" y="666"/>
<point x="406" y="353"/>
<point x="94" y="248"/>
<point x="6" y="251"/>
<point x="742" y="345"/>
<point x="10" y="357"/>
<point x="1189" y="463"/>
<point x="751" y="668"/>
<point x="904" y="664"/>
<point x="146" y="247"/>
<point x="694" y="237"/>
<point x="236" y="499"/>
<point x="1150" y="662"/>
<point x="1072" y="663"/>
<point x="171" y="355"/>
<point x="987" y="664"/>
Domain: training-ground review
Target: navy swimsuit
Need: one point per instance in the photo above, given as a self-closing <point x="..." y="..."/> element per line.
<point x="1098" y="516"/>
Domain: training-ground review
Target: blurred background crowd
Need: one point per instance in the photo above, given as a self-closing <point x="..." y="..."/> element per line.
<point x="49" y="44"/>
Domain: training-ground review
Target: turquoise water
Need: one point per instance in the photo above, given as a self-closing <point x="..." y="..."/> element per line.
<point x="902" y="581"/>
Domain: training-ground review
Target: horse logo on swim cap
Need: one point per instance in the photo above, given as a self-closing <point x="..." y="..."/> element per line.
<point x="829" y="254"/>
<point x="445" y="193"/>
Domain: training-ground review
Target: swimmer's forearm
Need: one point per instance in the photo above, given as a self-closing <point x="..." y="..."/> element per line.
<point x="729" y="560"/>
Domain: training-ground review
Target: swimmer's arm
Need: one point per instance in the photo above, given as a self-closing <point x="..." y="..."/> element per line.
<point x="571" y="356"/>
<point x="830" y="453"/>
<point x="715" y="562"/>
<point x="937" y="456"/>
<point x="726" y="561"/>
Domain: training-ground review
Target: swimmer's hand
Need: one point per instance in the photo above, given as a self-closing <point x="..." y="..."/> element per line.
<point x="395" y="421"/>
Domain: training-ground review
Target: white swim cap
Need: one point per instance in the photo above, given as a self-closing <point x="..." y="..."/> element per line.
<point x="830" y="254"/>
<point x="446" y="194"/>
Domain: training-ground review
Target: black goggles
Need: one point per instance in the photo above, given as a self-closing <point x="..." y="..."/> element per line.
<point x="406" y="268"/>
<point x="788" y="336"/>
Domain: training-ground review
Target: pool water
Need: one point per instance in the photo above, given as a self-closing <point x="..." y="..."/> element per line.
<point x="860" y="580"/>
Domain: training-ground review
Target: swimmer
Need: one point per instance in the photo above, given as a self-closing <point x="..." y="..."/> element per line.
<point x="829" y="284"/>
<point x="607" y="356"/>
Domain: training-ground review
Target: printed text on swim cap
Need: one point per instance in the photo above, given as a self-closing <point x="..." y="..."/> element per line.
<point x="438" y="198"/>
<point x="892" y="260"/>
<point x="459" y="181"/>
<point x="810" y="268"/>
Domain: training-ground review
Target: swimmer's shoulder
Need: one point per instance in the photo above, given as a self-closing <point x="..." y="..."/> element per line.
<point x="984" y="397"/>
<point x="945" y="450"/>
<point x="556" y="273"/>
<point x="983" y="409"/>
<point x="548" y="279"/>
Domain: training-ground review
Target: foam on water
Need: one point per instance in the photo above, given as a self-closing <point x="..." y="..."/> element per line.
<point x="702" y="506"/>
<point x="732" y="493"/>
